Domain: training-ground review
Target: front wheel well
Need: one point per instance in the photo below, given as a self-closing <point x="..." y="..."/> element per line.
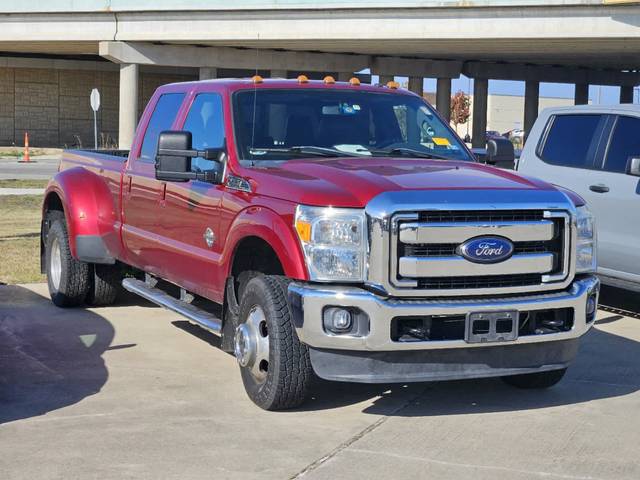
<point x="255" y="254"/>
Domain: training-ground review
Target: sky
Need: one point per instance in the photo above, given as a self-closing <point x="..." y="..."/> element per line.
<point x="602" y="95"/>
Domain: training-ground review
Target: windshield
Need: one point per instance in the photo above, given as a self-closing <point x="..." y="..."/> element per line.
<point x="282" y="124"/>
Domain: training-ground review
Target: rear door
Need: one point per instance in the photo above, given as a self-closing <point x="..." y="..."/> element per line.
<point x="142" y="194"/>
<point x="617" y="206"/>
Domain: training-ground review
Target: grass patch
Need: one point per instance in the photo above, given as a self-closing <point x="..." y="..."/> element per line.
<point x="23" y="183"/>
<point x="20" y="239"/>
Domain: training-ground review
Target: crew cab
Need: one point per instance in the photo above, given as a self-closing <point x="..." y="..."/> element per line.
<point x="326" y="228"/>
<point x="594" y="150"/>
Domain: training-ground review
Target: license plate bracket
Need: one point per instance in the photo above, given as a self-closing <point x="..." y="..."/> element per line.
<point x="489" y="327"/>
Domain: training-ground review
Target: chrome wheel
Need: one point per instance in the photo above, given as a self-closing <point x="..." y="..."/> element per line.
<point x="251" y="344"/>
<point x="55" y="264"/>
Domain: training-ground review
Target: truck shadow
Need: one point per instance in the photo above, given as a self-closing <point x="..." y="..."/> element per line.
<point x="619" y="301"/>
<point x="607" y="366"/>
<point x="49" y="357"/>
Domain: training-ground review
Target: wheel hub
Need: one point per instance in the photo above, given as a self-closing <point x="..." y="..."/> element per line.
<point x="55" y="264"/>
<point x="251" y="344"/>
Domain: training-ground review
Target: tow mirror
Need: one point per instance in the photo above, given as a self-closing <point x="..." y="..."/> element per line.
<point x="500" y="153"/>
<point x="173" y="160"/>
<point x="633" y="166"/>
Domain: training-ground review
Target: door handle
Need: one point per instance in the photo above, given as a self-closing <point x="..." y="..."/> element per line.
<point x="599" y="188"/>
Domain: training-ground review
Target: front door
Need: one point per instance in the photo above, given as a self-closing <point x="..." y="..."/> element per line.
<point x="191" y="220"/>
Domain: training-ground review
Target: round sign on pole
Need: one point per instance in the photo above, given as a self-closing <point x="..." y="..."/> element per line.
<point x="95" y="99"/>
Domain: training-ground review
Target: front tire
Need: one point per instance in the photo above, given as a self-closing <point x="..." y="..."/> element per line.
<point x="538" y="380"/>
<point x="274" y="364"/>
<point x="67" y="278"/>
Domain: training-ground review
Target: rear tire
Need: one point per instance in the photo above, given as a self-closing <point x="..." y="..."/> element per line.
<point x="275" y="366"/>
<point x="67" y="278"/>
<point x="105" y="285"/>
<point x="538" y="380"/>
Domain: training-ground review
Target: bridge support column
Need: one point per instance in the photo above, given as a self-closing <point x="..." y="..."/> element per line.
<point x="443" y="97"/>
<point x="531" y="104"/>
<point x="384" y="79"/>
<point x="128" y="108"/>
<point x="415" y="85"/>
<point x="480" y="101"/>
<point x="207" y="73"/>
<point x="581" y="95"/>
<point x="626" y="94"/>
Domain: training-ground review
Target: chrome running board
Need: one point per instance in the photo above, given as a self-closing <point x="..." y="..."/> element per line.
<point x="155" y="295"/>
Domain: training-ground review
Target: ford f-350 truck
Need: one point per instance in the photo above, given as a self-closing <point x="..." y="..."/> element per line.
<point x="326" y="228"/>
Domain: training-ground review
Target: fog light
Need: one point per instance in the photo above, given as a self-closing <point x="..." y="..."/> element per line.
<point x="592" y="306"/>
<point x="337" y="320"/>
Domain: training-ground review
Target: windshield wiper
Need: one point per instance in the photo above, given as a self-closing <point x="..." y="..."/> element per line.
<point x="304" y="150"/>
<point x="409" y="152"/>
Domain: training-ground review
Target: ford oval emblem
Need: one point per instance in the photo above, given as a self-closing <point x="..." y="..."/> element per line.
<point x="486" y="249"/>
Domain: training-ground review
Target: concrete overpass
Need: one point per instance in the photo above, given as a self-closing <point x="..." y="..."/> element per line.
<point x="566" y="41"/>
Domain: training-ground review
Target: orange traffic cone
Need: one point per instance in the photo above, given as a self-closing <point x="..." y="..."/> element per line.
<point x="25" y="156"/>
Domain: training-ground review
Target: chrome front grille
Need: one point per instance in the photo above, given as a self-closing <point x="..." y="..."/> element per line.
<point x="424" y="251"/>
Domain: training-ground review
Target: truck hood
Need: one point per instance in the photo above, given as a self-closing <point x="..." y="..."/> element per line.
<point x="352" y="182"/>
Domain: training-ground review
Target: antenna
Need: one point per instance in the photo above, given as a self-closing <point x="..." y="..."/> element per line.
<point x="255" y="101"/>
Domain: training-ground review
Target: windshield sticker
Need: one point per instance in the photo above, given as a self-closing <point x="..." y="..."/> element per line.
<point x="441" y="141"/>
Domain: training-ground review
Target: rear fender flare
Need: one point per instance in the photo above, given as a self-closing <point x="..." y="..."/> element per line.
<point x="90" y="214"/>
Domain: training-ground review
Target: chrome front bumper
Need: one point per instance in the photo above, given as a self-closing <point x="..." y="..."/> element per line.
<point x="309" y="301"/>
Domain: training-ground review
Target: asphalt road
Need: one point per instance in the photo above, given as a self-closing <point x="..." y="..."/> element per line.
<point x="132" y="391"/>
<point x="43" y="168"/>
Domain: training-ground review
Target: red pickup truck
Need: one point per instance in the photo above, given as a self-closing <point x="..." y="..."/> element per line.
<point x="326" y="228"/>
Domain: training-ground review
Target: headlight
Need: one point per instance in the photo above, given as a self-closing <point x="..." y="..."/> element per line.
<point x="334" y="242"/>
<point x="586" y="242"/>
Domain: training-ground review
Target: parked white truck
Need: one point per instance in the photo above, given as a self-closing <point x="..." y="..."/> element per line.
<point x="595" y="151"/>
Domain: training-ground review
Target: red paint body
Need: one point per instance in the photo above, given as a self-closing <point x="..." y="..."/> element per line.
<point x="158" y="226"/>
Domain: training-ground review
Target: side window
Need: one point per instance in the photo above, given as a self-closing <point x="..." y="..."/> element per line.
<point x="571" y="140"/>
<point x="161" y="119"/>
<point x="205" y="122"/>
<point x="625" y="143"/>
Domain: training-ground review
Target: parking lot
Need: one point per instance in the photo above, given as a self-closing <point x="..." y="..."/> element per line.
<point x="133" y="391"/>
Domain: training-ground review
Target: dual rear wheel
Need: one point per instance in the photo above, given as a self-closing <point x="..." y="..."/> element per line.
<point x="72" y="282"/>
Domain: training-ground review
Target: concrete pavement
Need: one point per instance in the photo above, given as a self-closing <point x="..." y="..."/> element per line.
<point x="132" y="391"/>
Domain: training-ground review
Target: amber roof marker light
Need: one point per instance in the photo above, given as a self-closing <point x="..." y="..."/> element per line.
<point x="354" y="81"/>
<point x="257" y="79"/>
<point x="303" y="79"/>
<point x="329" y="80"/>
<point x="393" y="85"/>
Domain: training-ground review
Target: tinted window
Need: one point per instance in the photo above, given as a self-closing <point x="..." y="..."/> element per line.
<point x="571" y="140"/>
<point x="204" y="121"/>
<point x="625" y="143"/>
<point x="162" y="118"/>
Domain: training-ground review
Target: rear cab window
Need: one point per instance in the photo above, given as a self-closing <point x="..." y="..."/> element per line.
<point x="624" y="143"/>
<point x="571" y="140"/>
<point x="162" y="118"/>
